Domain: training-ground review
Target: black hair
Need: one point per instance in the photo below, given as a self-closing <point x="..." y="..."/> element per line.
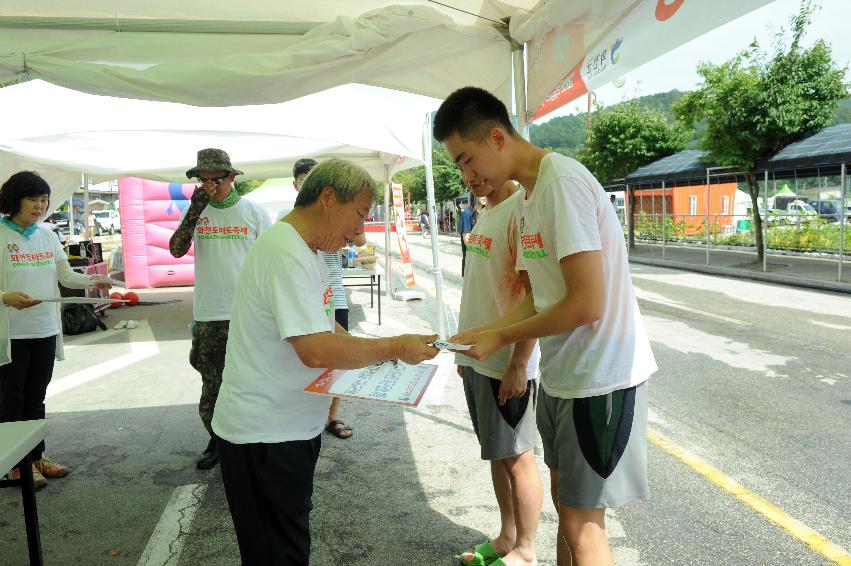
<point x="471" y="112"/>
<point x="19" y="186"/>
<point x="303" y="166"/>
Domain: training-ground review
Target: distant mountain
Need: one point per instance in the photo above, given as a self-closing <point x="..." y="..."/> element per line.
<point x="566" y="134"/>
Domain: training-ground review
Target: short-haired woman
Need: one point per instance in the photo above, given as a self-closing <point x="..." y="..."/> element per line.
<point x="32" y="264"/>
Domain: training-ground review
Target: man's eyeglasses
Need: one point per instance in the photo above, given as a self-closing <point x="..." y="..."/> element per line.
<point x="215" y="180"/>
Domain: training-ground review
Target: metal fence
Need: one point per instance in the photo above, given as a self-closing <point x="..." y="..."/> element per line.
<point x="720" y="216"/>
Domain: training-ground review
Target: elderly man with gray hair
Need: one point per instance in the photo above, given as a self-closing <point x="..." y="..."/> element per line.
<point x="282" y="336"/>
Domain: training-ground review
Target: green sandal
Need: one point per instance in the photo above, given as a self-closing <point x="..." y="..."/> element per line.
<point x="484" y="555"/>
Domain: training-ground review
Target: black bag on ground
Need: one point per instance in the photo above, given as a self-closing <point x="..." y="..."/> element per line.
<point x="80" y="318"/>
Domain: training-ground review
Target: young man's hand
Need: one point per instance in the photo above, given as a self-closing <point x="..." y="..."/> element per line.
<point x="467" y="334"/>
<point x="484" y="343"/>
<point x="514" y="383"/>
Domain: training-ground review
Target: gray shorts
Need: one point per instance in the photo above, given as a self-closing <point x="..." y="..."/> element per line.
<point x="503" y="431"/>
<point x="598" y="446"/>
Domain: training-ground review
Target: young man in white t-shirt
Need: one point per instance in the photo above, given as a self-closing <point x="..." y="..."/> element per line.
<point x="595" y="354"/>
<point x="501" y="391"/>
<point x="223" y="227"/>
<point x="283" y="336"/>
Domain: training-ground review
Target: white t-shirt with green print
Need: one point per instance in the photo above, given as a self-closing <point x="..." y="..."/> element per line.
<point x="283" y="291"/>
<point x="32" y="269"/>
<point x="568" y="212"/>
<point x="222" y="238"/>
<point x="492" y="284"/>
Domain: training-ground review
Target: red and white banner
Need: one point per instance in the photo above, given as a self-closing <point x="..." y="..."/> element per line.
<point x="401" y="234"/>
<point x="653" y="28"/>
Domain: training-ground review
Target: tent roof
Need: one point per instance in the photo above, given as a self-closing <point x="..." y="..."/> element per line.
<point x="223" y="53"/>
<point x="827" y="148"/>
<point x="73" y="133"/>
<point x="821" y="152"/>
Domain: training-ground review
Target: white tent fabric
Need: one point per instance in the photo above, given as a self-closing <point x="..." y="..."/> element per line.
<point x="67" y="133"/>
<point x="221" y="52"/>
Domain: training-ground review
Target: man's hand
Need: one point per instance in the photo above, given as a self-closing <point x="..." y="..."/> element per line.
<point x="460" y="371"/>
<point x="467" y="334"/>
<point x="414" y="348"/>
<point x="202" y="194"/>
<point x="514" y="383"/>
<point x="484" y="343"/>
<point x="19" y="300"/>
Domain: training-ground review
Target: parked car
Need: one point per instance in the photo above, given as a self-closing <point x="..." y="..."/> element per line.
<point x="106" y="221"/>
<point x="798" y="212"/>
<point x="830" y="209"/>
<point x="827" y="209"/>
<point x="61" y="220"/>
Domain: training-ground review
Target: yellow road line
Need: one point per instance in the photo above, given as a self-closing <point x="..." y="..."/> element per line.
<point x="795" y="528"/>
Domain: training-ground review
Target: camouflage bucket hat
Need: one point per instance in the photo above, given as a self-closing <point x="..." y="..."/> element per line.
<point x="212" y="159"/>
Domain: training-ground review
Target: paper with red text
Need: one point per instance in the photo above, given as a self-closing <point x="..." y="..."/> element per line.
<point x="392" y="382"/>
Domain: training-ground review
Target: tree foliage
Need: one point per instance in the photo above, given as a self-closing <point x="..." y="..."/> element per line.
<point x="627" y="136"/>
<point x="447" y="178"/>
<point x="754" y="104"/>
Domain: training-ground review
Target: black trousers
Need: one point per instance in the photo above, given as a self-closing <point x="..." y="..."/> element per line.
<point x="463" y="255"/>
<point x="342" y="318"/>
<point x="23" y="382"/>
<point x="269" y="488"/>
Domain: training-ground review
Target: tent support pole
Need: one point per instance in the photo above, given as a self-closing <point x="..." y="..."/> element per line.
<point x="519" y="75"/>
<point x="388" y="256"/>
<point x="442" y="322"/>
<point x="843" y="179"/>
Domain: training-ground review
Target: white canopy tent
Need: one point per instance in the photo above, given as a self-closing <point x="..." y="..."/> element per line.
<point x="105" y="137"/>
<point x="65" y="134"/>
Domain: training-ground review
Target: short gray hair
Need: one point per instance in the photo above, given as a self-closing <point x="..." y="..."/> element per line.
<point x="347" y="179"/>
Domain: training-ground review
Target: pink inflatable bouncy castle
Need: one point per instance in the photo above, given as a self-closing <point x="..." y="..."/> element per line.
<point x="150" y="212"/>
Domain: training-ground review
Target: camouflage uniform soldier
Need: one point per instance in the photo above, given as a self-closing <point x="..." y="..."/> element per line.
<point x="223" y="228"/>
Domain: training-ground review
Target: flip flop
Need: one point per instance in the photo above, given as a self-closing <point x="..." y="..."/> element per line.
<point x="338" y="431"/>
<point x="484" y="555"/>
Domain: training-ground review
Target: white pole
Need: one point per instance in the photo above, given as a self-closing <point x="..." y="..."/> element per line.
<point x="843" y="178"/>
<point x="664" y="217"/>
<point x="442" y="323"/>
<point x="707" y="217"/>
<point x="765" y="224"/>
<point x="89" y="230"/>
<point x="520" y="90"/>
<point x="388" y="257"/>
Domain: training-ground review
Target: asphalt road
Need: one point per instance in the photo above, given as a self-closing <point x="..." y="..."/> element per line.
<point x="755" y="381"/>
<point x="754" y="387"/>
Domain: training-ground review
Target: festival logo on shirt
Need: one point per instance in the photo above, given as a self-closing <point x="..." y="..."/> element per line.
<point x="37" y="259"/>
<point x="203" y="231"/>
<point x="479" y="244"/>
<point x="328" y="301"/>
<point x="532" y="245"/>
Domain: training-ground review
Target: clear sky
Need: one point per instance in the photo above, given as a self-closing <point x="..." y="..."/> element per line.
<point x="677" y="69"/>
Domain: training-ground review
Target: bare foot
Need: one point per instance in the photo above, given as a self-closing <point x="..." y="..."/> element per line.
<point x="518" y="558"/>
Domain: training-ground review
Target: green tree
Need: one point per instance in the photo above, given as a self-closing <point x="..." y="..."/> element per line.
<point x="625" y="137"/>
<point x="245" y="187"/>
<point x="447" y="178"/>
<point x="754" y="104"/>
